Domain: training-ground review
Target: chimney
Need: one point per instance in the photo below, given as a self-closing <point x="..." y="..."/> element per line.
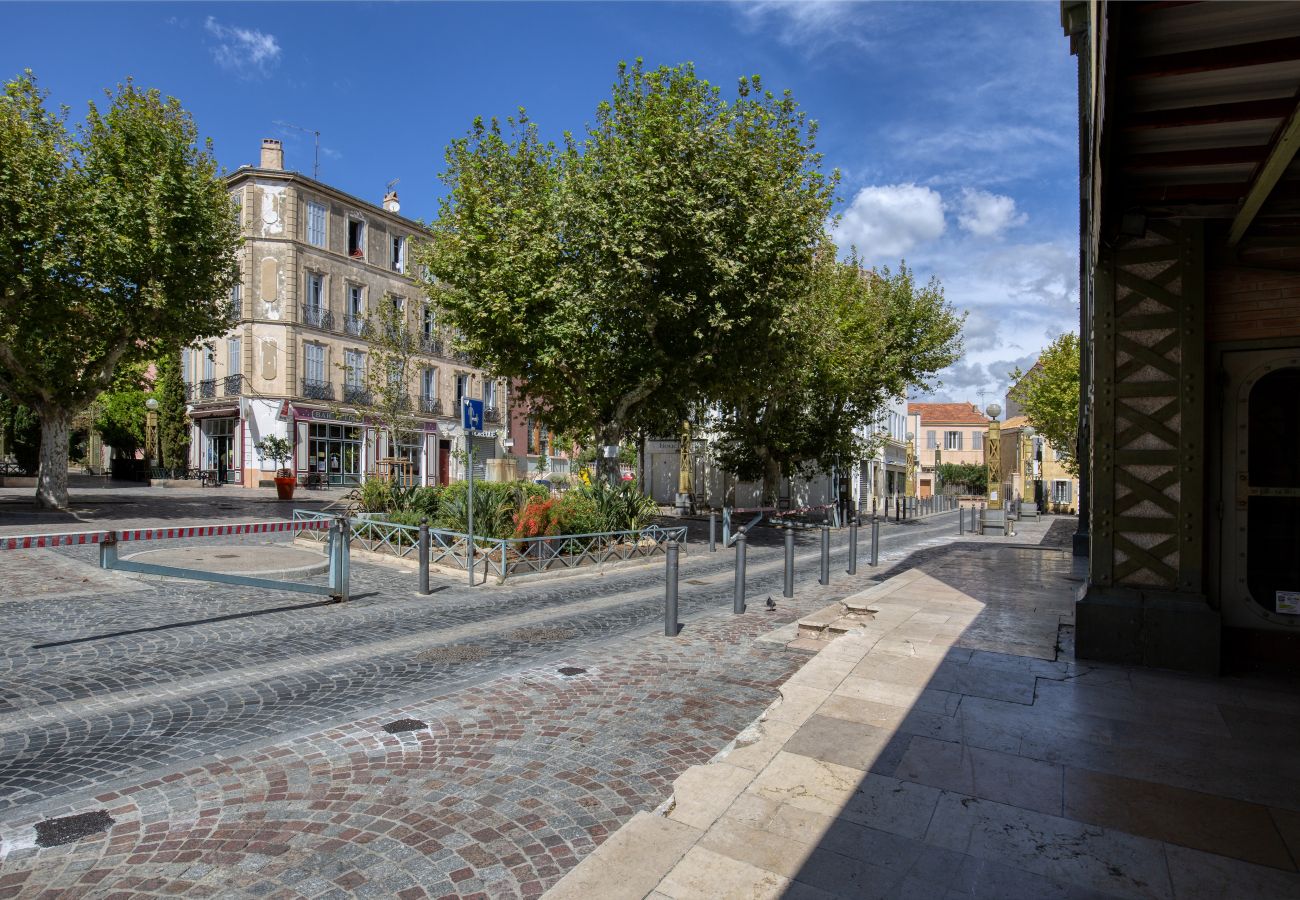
<point x="390" y="202"/>
<point x="272" y="154"/>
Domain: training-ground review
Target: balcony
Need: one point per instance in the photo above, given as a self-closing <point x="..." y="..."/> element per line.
<point x="431" y="345"/>
<point x="317" y="317"/>
<point x="354" y="325"/>
<point x="356" y="393"/>
<point x="431" y="406"/>
<point x="492" y="414"/>
<point x="206" y="390"/>
<point x="232" y="313"/>
<point x="232" y="385"/>
<point x="317" y="390"/>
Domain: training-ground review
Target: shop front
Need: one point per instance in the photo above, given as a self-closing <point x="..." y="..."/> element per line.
<point x="338" y="450"/>
<point x="218" y="444"/>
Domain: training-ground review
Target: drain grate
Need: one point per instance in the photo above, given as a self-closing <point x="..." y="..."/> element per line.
<point x="570" y="671"/>
<point x="66" y="829"/>
<point x="457" y="653"/>
<point x="403" y="725"/>
<point x="541" y="634"/>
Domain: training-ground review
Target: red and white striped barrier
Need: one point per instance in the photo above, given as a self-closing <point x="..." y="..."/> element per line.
<point x="38" y="541"/>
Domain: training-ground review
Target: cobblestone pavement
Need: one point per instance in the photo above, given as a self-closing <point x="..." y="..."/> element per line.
<point x="235" y="736"/>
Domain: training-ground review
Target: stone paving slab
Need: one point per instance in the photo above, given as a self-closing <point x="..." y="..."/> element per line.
<point x="905" y="760"/>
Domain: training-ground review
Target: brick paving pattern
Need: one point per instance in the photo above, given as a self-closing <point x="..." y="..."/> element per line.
<point x="236" y="737"/>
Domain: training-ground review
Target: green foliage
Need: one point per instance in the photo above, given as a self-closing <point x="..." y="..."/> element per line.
<point x="382" y="384"/>
<point x="626" y="275"/>
<point x="376" y="495"/>
<point x="116" y="246"/>
<point x="120" y="411"/>
<point x="876" y="334"/>
<point x="621" y="507"/>
<point x="1049" y="395"/>
<point x="496" y="505"/>
<point x="173" y="422"/>
<point x="278" y="450"/>
<point x="22" y="433"/>
<point x="969" y="475"/>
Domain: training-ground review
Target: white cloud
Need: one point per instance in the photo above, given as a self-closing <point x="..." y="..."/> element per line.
<point x="988" y="215"/>
<point x="886" y="221"/>
<point x="245" y="51"/>
<point x="810" y="25"/>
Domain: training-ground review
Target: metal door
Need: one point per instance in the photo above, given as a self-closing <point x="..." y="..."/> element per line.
<point x="1260" y="546"/>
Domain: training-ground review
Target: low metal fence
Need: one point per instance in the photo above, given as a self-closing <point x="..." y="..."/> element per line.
<point x="504" y="557"/>
<point x="329" y="529"/>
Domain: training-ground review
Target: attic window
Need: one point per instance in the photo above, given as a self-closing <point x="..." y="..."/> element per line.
<point x="356" y="239"/>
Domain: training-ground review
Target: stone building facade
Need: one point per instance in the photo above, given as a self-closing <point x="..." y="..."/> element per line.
<point x="945" y="433"/>
<point x="314" y="266"/>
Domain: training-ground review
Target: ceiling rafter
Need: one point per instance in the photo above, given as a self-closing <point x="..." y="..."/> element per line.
<point x="1281" y="151"/>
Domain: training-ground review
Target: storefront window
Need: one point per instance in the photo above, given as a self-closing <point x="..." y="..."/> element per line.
<point x="334" y="453"/>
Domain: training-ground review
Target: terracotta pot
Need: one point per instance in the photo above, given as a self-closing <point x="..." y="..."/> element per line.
<point x="284" y="486"/>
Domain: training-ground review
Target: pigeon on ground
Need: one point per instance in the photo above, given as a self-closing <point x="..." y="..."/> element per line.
<point x="771" y="604"/>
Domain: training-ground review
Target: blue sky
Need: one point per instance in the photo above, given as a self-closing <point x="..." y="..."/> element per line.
<point x="953" y="124"/>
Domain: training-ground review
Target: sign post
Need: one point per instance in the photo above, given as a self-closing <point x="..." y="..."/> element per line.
<point x="471" y="420"/>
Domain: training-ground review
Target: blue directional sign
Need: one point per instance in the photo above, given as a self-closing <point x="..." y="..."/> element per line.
<point x="471" y="414"/>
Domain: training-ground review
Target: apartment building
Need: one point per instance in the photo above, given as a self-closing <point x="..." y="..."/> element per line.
<point x="1033" y="470"/>
<point x="315" y="265"/>
<point x="884" y="473"/>
<point x="946" y="433"/>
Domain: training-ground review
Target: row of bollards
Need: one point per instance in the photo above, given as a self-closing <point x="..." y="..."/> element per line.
<point x="932" y="504"/>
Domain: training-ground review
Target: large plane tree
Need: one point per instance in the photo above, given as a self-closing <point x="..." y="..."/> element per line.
<point x="117" y="242"/>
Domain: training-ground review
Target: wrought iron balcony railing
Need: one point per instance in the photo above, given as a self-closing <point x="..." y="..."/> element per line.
<point x="232" y="314"/>
<point x="317" y="390"/>
<point x="354" y="325"/>
<point x="431" y="406"/>
<point x="492" y="414"/>
<point x="356" y="393"/>
<point x="232" y="385"/>
<point x="431" y="345"/>
<point x="317" y="317"/>
<point x="207" y="389"/>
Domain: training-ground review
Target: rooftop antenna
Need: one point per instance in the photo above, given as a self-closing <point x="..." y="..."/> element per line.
<point x="315" y="169"/>
<point x="980" y="393"/>
<point x="388" y="188"/>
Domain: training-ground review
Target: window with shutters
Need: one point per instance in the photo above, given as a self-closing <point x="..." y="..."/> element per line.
<point x="315" y="363"/>
<point x="952" y="440"/>
<point x="315" y="223"/>
<point x="932" y="440"/>
<point x="234" y="356"/>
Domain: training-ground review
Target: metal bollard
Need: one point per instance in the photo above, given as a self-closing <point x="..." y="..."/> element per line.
<point x="345" y="558"/>
<point x="670" y="591"/>
<point x="853" y="546"/>
<point x="875" y="541"/>
<point x="789" y="563"/>
<point x="424" y="557"/>
<point x="826" y="556"/>
<point x="332" y="554"/>
<point x="108" y="551"/>
<point x="961" y="523"/>
<point x="713" y="532"/>
<point x="898" y="510"/>
<point x="738" y="600"/>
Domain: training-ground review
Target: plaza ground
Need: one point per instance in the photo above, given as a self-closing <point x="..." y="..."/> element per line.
<point x="484" y="742"/>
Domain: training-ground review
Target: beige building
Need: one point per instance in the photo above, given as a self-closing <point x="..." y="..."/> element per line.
<point x="945" y="433"/>
<point x="1032" y="470"/>
<point x="315" y="263"/>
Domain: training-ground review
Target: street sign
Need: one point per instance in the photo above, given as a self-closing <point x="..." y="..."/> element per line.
<point x="471" y="414"/>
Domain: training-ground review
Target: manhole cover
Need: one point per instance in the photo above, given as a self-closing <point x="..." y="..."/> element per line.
<point x="66" y="829"/>
<point x="541" y="634"/>
<point x="402" y="725"/>
<point x="570" y="671"/>
<point x="454" y="654"/>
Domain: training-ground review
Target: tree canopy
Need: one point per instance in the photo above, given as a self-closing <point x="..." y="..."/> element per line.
<point x="856" y="338"/>
<point x="1049" y="395"/>
<point x="117" y="244"/>
<point x="627" y="275"/>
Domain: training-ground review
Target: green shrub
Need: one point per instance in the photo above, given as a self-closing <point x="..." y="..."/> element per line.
<point x="578" y="513"/>
<point x="621" y="508"/>
<point x="376" y="495"/>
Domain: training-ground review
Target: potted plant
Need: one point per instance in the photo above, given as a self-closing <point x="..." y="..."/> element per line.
<point x="278" y="450"/>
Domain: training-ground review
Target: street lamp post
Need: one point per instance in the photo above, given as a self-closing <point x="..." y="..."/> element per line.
<point x="151" y="436"/>
<point x="994" y="460"/>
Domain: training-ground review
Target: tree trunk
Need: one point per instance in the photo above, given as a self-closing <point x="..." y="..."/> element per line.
<point x="771" y="481"/>
<point x="52" y="480"/>
<point x="607" y="469"/>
